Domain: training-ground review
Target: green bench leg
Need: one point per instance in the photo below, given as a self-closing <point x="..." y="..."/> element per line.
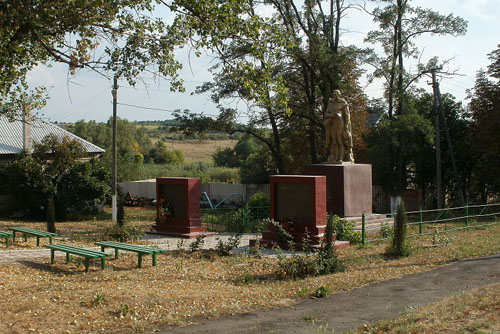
<point x="139" y="256"/>
<point x="25" y="237"/>
<point x="116" y="253"/>
<point x="38" y="241"/>
<point x="68" y="257"/>
<point x="6" y="241"/>
<point x="13" y="236"/>
<point x="86" y="264"/>
<point x="154" y="259"/>
<point x="103" y="263"/>
<point x="52" y="256"/>
<point x="50" y="240"/>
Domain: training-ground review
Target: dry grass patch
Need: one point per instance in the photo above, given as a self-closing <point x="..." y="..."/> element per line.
<point x="476" y="311"/>
<point x="187" y="287"/>
<point x="199" y="150"/>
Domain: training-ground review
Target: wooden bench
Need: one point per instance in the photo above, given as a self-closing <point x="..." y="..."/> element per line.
<point x="86" y="253"/>
<point x="6" y="236"/>
<point x="140" y="250"/>
<point x="37" y="233"/>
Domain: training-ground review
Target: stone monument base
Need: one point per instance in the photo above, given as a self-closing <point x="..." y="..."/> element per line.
<point x="349" y="187"/>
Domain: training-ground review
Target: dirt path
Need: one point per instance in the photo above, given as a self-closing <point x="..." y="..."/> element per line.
<point x="348" y="310"/>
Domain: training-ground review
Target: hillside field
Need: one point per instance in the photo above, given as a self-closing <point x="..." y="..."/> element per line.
<point x="199" y="150"/>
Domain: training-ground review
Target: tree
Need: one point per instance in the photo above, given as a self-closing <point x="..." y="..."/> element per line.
<point x="485" y="111"/>
<point x="399" y="25"/>
<point x="283" y="67"/>
<point x="53" y="178"/>
<point x="103" y="36"/>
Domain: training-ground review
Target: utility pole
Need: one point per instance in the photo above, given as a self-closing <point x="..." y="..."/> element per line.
<point x="450" y="145"/>
<point x="114" y="92"/>
<point x="438" y="144"/>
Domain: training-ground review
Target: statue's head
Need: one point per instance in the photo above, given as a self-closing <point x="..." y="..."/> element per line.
<point x="336" y="93"/>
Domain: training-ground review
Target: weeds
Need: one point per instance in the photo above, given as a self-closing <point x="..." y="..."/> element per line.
<point x="386" y="230"/>
<point x="441" y="239"/>
<point x="322" y="291"/>
<point x="225" y="248"/>
<point x="198" y="243"/>
<point x="98" y="300"/>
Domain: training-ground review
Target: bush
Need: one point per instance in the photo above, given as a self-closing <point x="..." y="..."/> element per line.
<point x="344" y="229"/>
<point x="225" y="248"/>
<point x="258" y="205"/>
<point x="400" y="246"/>
<point x="323" y="262"/>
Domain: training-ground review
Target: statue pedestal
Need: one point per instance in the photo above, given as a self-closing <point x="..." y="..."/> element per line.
<point x="349" y="187"/>
<point x="178" y="208"/>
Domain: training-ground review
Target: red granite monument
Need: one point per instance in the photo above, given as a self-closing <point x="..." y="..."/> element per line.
<point x="298" y="204"/>
<point x="178" y="207"/>
<point x="349" y="187"/>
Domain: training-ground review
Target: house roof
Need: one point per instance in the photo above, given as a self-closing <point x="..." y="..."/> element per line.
<point x="11" y="135"/>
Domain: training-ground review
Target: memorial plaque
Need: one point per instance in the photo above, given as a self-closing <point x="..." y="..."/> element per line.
<point x="293" y="202"/>
<point x="298" y="205"/>
<point x="178" y="207"/>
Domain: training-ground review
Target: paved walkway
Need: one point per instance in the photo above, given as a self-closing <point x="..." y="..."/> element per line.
<point x="349" y="310"/>
<point x="168" y="243"/>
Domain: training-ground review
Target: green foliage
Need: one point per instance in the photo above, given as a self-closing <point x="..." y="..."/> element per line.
<point x="344" y="229"/>
<point x="97" y="300"/>
<point x="53" y="178"/>
<point x="441" y="239"/>
<point x="386" y="230"/>
<point x="400" y="245"/>
<point x="124" y="233"/>
<point x="235" y="157"/>
<point x="484" y="157"/>
<point x="321" y="262"/>
<point x="160" y="154"/>
<point x="198" y="243"/>
<point x="205" y="172"/>
<point x="226" y="248"/>
<point x="322" y="291"/>
<point x="258" y="205"/>
<point x="73" y="33"/>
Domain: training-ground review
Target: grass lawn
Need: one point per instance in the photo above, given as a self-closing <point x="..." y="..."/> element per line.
<point x="184" y="287"/>
<point x="476" y="311"/>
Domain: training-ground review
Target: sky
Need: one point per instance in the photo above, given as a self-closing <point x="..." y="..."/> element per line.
<point x="88" y="95"/>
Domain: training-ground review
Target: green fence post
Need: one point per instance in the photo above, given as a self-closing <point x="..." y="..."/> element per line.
<point x="363" y="229"/>
<point x="466" y="214"/>
<point x="420" y="220"/>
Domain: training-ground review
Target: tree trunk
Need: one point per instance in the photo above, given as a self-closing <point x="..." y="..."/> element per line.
<point x="51" y="215"/>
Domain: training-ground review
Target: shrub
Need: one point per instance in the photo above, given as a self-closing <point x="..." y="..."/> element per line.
<point x="322" y="262"/>
<point x="400" y="245"/>
<point x="258" y="205"/>
<point x="386" y="230"/>
<point x="198" y="243"/>
<point x="225" y="248"/>
<point x="344" y="229"/>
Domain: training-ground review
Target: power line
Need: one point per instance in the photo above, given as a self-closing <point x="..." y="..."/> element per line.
<point x="147" y="108"/>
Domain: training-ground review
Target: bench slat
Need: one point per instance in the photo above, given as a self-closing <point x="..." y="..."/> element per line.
<point x="133" y="248"/>
<point x="78" y="251"/>
<point x="33" y="231"/>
